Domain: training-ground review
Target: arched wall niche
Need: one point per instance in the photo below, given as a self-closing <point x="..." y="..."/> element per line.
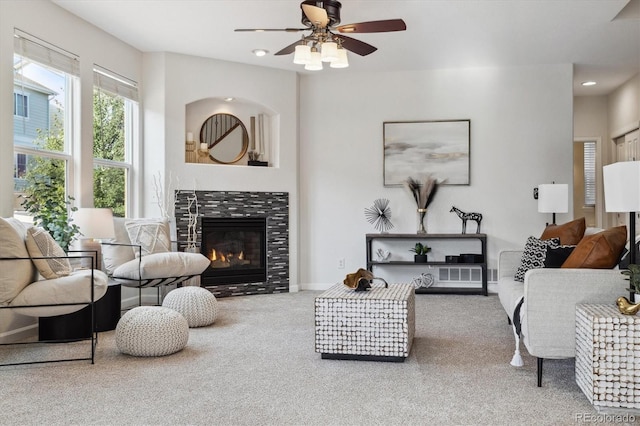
<point x="264" y="143"/>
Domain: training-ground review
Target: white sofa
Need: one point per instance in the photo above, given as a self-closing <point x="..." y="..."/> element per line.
<point x="547" y="314"/>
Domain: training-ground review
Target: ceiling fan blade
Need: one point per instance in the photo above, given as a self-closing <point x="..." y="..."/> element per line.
<point x="356" y="46"/>
<point x="316" y="15"/>
<point x="287" y="50"/>
<point x="289" y="30"/>
<point x="373" y="26"/>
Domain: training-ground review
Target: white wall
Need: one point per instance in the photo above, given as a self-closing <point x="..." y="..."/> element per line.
<point x="624" y="107"/>
<point x="173" y="81"/>
<point x="521" y="136"/>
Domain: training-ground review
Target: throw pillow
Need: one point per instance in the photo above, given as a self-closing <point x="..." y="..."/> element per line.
<point x="151" y="234"/>
<point x="570" y="233"/>
<point x="599" y="251"/>
<point x="41" y="244"/>
<point x="535" y="251"/>
<point x="557" y="255"/>
<point x="16" y="274"/>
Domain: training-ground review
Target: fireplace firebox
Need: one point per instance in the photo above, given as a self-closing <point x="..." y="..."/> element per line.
<point x="236" y="248"/>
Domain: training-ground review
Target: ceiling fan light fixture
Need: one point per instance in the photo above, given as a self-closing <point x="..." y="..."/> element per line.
<point x="302" y="55"/>
<point x="342" y="61"/>
<point x="329" y="51"/>
<point x="316" y="62"/>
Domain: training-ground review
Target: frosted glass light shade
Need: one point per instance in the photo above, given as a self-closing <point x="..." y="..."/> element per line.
<point x="316" y="62"/>
<point x="302" y="55"/>
<point x="622" y="186"/>
<point x="342" y="61"/>
<point x="553" y="198"/>
<point x="94" y="223"/>
<point x="329" y="51"/>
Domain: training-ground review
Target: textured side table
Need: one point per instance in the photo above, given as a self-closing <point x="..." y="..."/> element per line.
<point x="375" y="325"/>
<point x="608" y="356"/>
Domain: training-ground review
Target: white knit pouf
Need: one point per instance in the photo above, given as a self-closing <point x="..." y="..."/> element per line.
<point x="198" y="305"/>
<point x="151" y="331"/>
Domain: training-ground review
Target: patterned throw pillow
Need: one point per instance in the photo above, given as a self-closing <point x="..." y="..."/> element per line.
<point x="535" y="251"/>
<point x="41" y="244"/>
<point x="151" y="234"/>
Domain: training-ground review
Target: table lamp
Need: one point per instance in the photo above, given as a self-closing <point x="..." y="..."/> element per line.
<point x="94" y="224"/>
<point x="553" y="198"/>
<point x="622" y="195"/>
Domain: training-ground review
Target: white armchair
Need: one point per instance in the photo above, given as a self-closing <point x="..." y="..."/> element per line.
<point x="37" y="279"/>
<point x="141" y="255"/>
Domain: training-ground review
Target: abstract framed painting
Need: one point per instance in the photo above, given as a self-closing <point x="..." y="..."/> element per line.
<point x="417" y="149"/>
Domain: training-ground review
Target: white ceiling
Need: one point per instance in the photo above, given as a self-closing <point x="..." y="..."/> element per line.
<point x="440" y="33"/>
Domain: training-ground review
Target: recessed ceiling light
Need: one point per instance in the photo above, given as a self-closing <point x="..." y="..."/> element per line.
<point x="588" y="83"/>
<point x="260" y="52"/>
<point x="228" y="99"/>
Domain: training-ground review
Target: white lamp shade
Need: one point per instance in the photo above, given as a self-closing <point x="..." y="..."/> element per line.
<point x="342" y="61"/>
<point x="95" y="223"/>
<point x="553" y="198"/>
<point x="302" y="55"/>
<point x="329" y="51"/>
<point x="622" y="186"/>
<point x="316" y="62"/>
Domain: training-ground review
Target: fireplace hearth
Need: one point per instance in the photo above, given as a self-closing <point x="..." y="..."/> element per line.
<point x="236" y="248"/>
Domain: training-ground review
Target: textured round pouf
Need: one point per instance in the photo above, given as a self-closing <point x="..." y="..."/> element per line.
<point x="151" y="331"/>
<point x="196" y="304"/>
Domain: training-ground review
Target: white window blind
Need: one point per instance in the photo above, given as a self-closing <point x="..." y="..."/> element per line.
<point x="44" y="53"/>
<point x="590" y="173"/>
<point x="114" y="83"/>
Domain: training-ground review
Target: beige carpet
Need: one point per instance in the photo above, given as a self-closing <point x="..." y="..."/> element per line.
<point x="257" y="366"/>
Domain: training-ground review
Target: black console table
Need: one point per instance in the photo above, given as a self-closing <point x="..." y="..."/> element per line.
<point x="425" y="238"/>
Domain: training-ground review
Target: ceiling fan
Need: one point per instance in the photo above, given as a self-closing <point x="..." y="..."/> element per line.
<point x="322" y="18"/>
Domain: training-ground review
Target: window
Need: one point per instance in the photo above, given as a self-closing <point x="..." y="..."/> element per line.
<point x="20" y="105"/>
<point x="589" y="173"/>
<point x="114" y="121"/>
<point x="45" y="79"/>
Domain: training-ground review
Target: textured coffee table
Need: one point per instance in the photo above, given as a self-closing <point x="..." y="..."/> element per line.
<point x="373" y="325"/>
<point x="608" y="356"/>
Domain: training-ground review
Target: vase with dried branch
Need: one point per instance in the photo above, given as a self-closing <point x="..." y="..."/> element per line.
<point x="423" y="194"/>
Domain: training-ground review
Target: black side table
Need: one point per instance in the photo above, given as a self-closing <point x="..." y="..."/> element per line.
<point x="77" y="325"/>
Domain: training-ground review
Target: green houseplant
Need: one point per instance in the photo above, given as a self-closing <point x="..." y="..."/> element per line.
<point x="420" y="251"/>
<point x="633" y="275"/>
<point x="51" y="212"/>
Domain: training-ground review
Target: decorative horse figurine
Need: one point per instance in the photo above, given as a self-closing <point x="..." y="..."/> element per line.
<point x="467" y="216"/>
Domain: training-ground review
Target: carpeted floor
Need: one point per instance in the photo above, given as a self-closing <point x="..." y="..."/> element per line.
<point x="257" y="366"/>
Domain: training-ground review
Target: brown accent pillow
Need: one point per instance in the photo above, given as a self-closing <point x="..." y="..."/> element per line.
<point x="570" y="233"/>
<point x="598" y="251"/>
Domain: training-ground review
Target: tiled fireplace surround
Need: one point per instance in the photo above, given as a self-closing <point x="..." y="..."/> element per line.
<point x="272" y="205"/>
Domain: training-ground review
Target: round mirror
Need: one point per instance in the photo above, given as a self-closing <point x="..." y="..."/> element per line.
<point x="226" y="138"/>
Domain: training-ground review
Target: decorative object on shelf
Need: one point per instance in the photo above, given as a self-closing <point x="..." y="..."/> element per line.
<point x="379" y="215"/>
<point x="256" y="149"/>
<point x="467" y="216"/>
<point x="361" y="280"/>
<point x="452" y="259"/>
<point x="424" y="280"/>
<point x="224" y="138"/>
<point x="383" y="255"/>
<point x="420" y="251"/>
<point x="626" y="307"/>
<point x="422" y="146"/>
<point x="423" y="194"/>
